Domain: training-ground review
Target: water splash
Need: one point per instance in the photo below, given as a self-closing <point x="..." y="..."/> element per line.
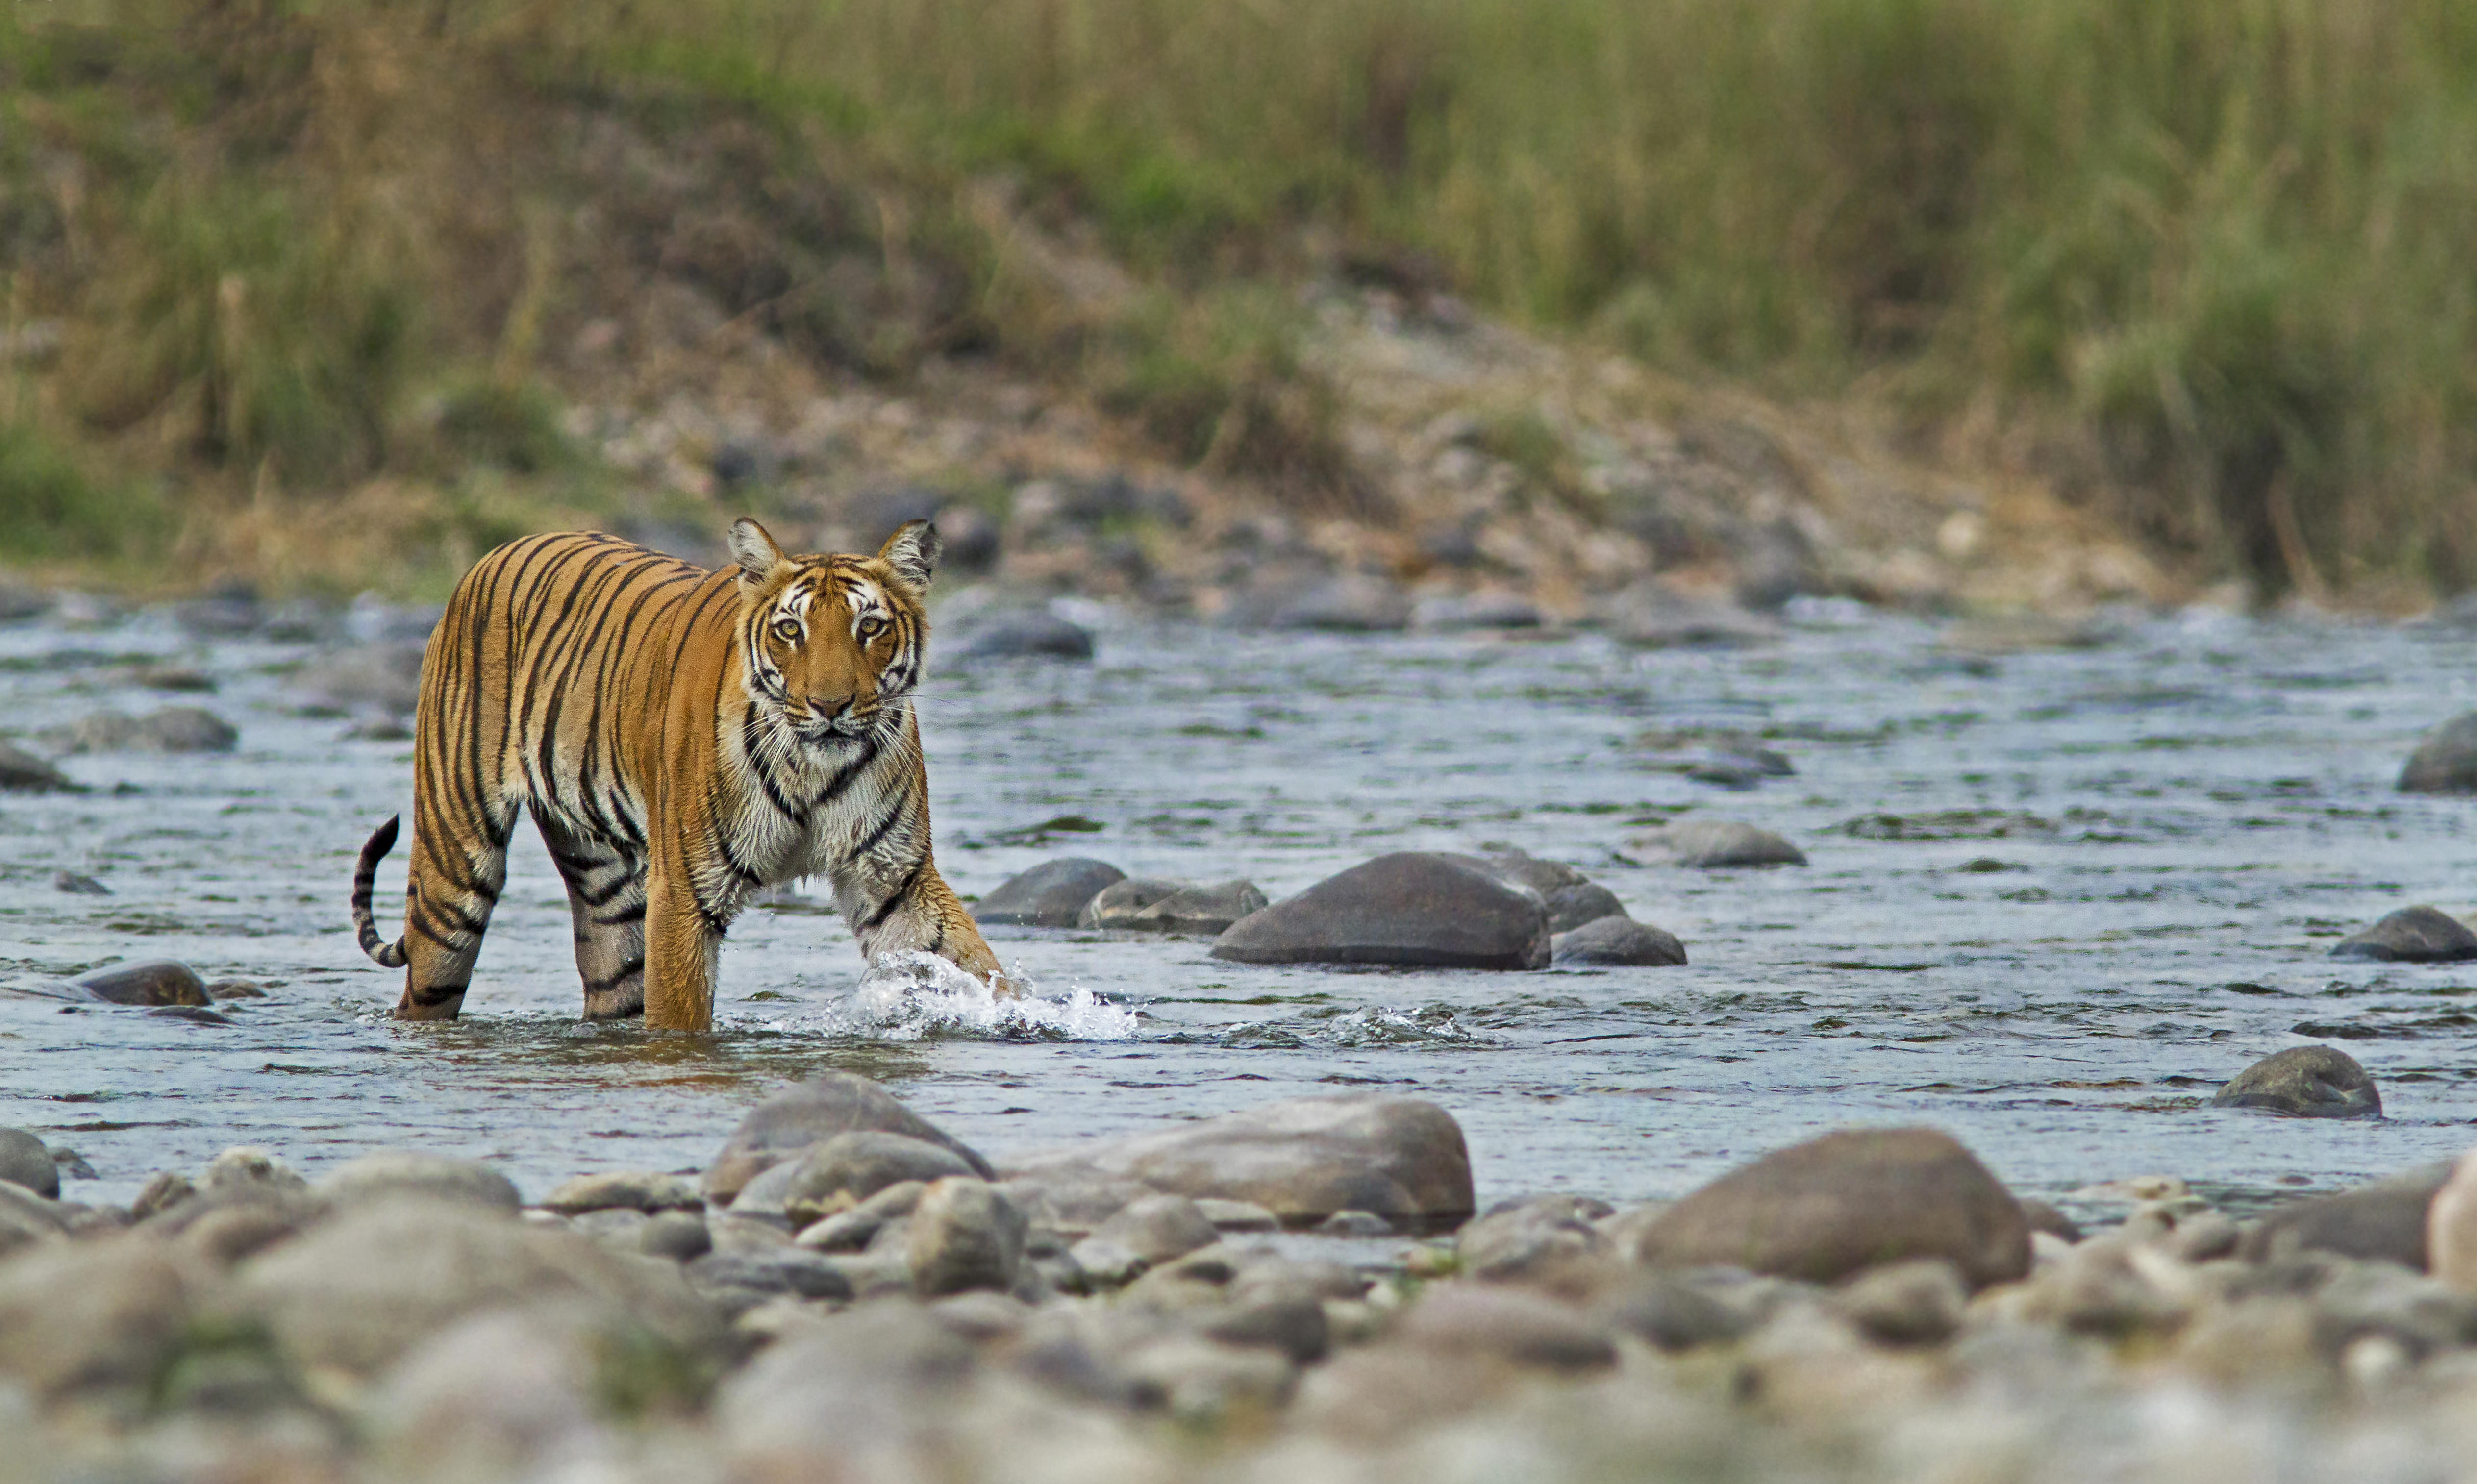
<point x="916" y="996"/>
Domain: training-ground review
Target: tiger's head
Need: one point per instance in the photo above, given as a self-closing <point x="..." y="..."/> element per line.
<point x="834" y="642"/>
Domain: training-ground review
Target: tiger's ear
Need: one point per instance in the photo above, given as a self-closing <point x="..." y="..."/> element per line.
<point x="912" y="553"/>
<point x="756" y="552"/>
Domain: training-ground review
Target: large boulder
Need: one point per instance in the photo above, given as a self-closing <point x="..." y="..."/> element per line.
<point x="2305" y="1081"/>
<point x="1413" y="908"/>
<point x="358" y="1290"/>
<point x="795" y="1118"/>
<point x="1717" y="844"/>
<point x="2445" y="759"/>
<point x="1303" y="1159"/>
<point x="2384" y="1219"/>
<point x="382" y="680"/>
<point x="25" y="1161"/>
<point x="1847" y="1201"/>
<point x="1050" y="895"/>
<point x="2416" y="935"/>
<point x="1026" y="635"/>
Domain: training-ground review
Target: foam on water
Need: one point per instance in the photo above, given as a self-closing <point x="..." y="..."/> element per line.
<point x="914" y="996"/>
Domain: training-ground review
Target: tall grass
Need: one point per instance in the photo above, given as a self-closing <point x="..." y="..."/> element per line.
<point x="2217" y="252"/>
<point x="2228" y="240"/>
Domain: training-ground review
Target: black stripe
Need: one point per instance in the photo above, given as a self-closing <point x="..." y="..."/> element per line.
<point x="439" y="995"/>
<point x="886" y="909"/>
<point x="884" y="827"/>
<point x="626" y="972"/>
<point x="621" y="918"/>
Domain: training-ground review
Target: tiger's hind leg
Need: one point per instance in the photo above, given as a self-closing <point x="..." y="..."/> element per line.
<point x="456" y="877"/>
<point x="606" y="895"/>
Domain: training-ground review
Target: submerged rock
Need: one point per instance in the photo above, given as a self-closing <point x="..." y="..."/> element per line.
<point x="23" y="772"/>
<point x="2305" y="1081"/>
<point x="1303" y="1159"/>
<point x="1050" y="895"/>
<point x="2418" y="935"/>
<point x="1832" y="1206"/>
<point x="159" y="982"/>
<point x="1035" y="633"/>
<point x="1413" y="908"/>
<point x="1206" y="908"/>
<point x="1712" y="844"/>
<point x="25" y="1161"/>
<point x="1586" y="902"/>
<point x="790" y="1121"/>
<point x="2445" y="759"/>
<point x="1122" y="899"/>
<point x="177" y="729"/>
<point x="1618" y="941"/>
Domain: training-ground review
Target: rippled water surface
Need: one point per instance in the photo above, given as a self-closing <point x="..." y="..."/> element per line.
<point x="2166" y="833"/>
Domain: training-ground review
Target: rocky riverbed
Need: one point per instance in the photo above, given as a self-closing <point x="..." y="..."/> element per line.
<point x="849" y="1291"/>
<point x="1648" y="927"/>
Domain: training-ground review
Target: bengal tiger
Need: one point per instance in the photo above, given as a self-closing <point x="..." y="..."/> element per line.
<point x="684" y="740"/>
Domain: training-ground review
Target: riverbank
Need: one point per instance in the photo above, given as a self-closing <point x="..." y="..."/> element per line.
<point x="849" y="1291"/>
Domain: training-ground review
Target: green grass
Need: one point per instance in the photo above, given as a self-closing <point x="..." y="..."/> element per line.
<point x="2215" y="253"/>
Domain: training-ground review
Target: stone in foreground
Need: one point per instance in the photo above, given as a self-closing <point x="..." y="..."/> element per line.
<point x="1303" y="1159"/>
<point x="1717" y="844"/>
<point x="2445" y="759"/>
<point x="1616" y="940"/>
<point x="2414" y="936"/>
<point x="2384" y="1219"/>
<point x="787" y="1122"/>
<point x="387" y="1173"/>
<point x="2305" y="1082"/>
<point x="1050" y="895"/>
<point x="1413" y="908"/>
<point x="25" y="1161"/>
<point x="841" y="1173"/>
<point x="1837" y="1206"/>
<point x="2451" y="1227"/>
<point x="965" y="1234"/>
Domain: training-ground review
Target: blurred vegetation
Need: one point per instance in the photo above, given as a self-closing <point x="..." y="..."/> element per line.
<point x="2213" y="257"/>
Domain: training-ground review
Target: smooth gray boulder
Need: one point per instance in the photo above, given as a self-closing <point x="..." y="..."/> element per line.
<point x="387" y="1173"/>
<point x="2305" y="1082"/>
<point x="630" y="1190"/>
<point x="1714" y="843"/>
<point x="837" y="1174"/>
<point x="358" y="1290"/>
<point x="2416" y="935"/>
<point x="1617" y="941"/>
<point x="157" y="981"/>
<point x="1303" y="1159"/>
<point x="1035" y="633"/>
<point x="25" y="1161"/>
<point x="1204" y="909"/>
<point x="1413" y="908"/>
<point x="965" y="1234"/>
<point x="2445" y="759"/>
<point x="1532" y="1239"/>
<point x="176" y="729"/>
<point x="1050" y="895"/>
<point x="1124" y="898"/>
<point x="1839" y="1205"/>
<point x="792" y="1120"/>
<point x="2383" y="1220"/>
<point x="1587" y="902"/>
<point x="382" y="680"/>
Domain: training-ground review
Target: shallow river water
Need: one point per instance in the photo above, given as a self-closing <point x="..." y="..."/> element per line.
<point x="2165" y="833"/>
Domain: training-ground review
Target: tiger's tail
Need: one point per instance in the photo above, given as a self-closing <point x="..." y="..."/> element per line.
<point x="383" y="840"/>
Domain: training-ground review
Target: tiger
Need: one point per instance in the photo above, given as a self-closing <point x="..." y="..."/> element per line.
<point x="684" y="740"/>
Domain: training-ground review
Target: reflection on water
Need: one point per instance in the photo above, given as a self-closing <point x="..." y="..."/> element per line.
<point x="2055" y="899"/>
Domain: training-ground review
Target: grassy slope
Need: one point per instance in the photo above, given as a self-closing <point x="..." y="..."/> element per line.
<point x="2206" y="262"/>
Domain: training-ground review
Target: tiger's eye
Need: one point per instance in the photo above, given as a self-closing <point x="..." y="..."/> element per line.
<point x="788" y="630"/>
<point x="870" y="627"/>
